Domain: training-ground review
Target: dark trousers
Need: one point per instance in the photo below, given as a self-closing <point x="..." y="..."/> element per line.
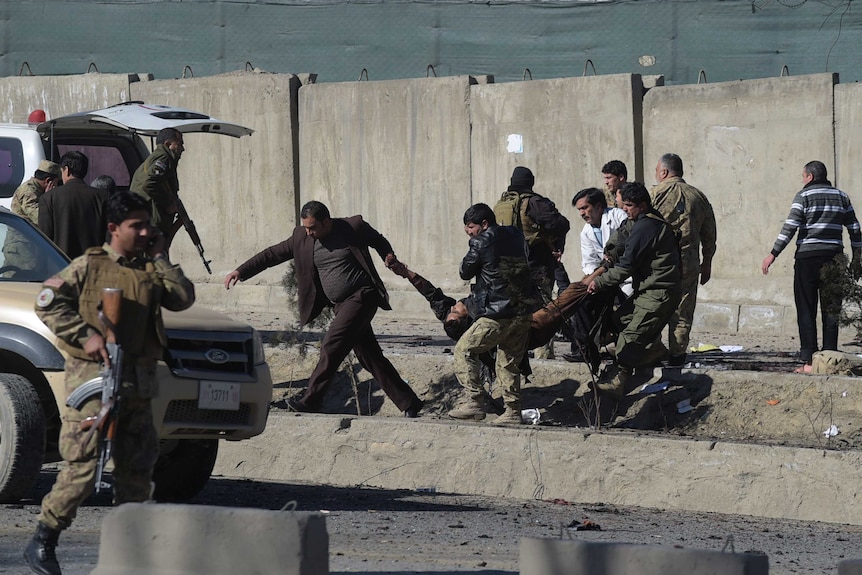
<point x="351" y="329"/>
<point x="807" y="288"/>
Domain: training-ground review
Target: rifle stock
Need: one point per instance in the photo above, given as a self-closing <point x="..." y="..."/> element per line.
<point x="189" y="225"/>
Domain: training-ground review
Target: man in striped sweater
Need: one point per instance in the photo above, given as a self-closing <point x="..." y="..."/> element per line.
<point x="819" y="212"/>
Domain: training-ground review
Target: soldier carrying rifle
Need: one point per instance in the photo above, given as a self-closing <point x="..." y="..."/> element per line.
<point x="134" y="260"/>
<point x="156" y="180"/>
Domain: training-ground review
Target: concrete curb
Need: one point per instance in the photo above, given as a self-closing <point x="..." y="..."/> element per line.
<point x="556" y="557"/>
<point x="551" y="463"/>
<point x="141" y="538"/>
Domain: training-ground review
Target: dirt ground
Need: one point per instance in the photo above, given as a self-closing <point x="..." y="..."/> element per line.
<point x="751" y="395"/>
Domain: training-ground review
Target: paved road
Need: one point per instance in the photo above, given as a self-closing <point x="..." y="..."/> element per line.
<point x="397" y="532"/>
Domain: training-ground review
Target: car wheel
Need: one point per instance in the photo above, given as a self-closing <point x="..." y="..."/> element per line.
<point x="22" y="437"/>
<point x="183" y="468"/>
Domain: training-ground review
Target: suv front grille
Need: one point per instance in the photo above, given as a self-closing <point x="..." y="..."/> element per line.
<point x="185" y="412"/>
<point x="222" y="356"/>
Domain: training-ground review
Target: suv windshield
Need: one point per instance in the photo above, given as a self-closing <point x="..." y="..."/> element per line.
<point x="26" y="255"/>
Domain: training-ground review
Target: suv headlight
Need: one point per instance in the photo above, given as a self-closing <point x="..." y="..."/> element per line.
<point x="258" y="357"/>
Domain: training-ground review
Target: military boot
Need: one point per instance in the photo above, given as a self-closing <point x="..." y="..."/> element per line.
<point x="40" y="553"/>
<point x="512" y="415"/>
<point x="615" y="385"/>
<point x="472" y="408"/>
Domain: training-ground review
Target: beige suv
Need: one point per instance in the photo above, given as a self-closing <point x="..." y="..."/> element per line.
<point x="214" y="381"/>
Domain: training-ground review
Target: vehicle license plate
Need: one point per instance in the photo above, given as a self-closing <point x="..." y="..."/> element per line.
<point x="218" y="395"/>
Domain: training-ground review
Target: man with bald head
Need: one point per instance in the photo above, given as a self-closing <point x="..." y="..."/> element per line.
<point x="690" y="214"/>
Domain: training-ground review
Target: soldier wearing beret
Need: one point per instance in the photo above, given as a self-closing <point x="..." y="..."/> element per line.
<point x="25" y="200"/>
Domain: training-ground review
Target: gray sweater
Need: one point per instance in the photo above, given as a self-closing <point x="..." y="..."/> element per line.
<point x="819" y="212"/>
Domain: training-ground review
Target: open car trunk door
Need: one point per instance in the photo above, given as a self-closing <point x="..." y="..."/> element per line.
<point x="144" y="120"/>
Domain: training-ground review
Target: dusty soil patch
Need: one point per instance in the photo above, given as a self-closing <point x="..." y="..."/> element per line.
<point x="749" y="396"/>
<point x="750" y="406"/>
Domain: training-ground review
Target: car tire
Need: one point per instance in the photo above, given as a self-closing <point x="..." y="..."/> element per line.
<point x="183" y="468"/>
<point x="22" y="437"/>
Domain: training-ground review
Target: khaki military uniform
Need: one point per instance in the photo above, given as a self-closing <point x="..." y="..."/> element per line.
<point x="68" y="304"/>
<point x="25" y="200"/>
<point x="690" y="214"/>
<point x="156" y="179"/>
<point x="509" y="336"/>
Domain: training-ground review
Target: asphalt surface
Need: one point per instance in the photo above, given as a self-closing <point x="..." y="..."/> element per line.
<point x="397" y="532"/>
<point x="430" y="533"/>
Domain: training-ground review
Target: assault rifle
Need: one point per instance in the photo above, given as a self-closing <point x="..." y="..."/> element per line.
<point x="107" y="385"/>
<point x="189" y="225"/>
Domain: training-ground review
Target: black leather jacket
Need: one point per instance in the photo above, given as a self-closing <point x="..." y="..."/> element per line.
<point x="497" y="258"/>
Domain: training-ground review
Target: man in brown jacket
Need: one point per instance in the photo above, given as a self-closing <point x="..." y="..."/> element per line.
<point x="334" y="268"/>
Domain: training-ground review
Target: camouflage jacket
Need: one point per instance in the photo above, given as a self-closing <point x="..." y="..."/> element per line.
<point x="25" y="200"/>
<point x="690" y="214"/>
<point x="58" y="306"/>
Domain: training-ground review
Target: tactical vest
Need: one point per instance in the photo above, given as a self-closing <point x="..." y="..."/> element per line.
<point x="511" y="210"/>
<point x="141" y="332"/>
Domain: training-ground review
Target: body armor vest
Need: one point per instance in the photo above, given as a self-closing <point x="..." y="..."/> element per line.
<point x="511" y="210"/>
<point x="141" y="332"/>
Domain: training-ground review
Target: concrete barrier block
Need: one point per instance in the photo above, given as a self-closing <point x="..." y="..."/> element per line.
<point x="142" y="538"/>
<point x="716" y="317"/>
<point x="761" y="319"/>
<point x="565" y="557"/>
<point x="850" y="567"/>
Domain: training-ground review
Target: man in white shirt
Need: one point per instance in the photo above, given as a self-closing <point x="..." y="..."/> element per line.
<point x="602" y="221"/>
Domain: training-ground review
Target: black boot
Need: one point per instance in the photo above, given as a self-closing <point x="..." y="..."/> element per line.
<point x="40" y="553"/>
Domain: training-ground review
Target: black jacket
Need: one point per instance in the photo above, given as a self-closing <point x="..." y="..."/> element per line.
<point x="497" y="258"/>
<point x="73" y="216"/>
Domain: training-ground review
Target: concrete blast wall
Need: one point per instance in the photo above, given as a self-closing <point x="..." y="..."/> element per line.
<point x="564" y="130"/>
<point x="399" y="154"/>
<point x="744" y="145"/>
<point x="848" y="141"/>
<point x="60" y="95"/>
<point x="411" y="155"/>
<point x="241" y="193"/>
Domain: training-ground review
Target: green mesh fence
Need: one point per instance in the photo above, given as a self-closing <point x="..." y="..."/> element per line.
<point x="686" y="41"/>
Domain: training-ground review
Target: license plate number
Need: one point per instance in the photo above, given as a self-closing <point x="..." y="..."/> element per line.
<point x="218" y="395"/>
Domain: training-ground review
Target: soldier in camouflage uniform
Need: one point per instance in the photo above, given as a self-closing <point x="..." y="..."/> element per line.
<point x="17" y="250"/>
<point x="134" y="260"/>
<point x="690" y="214"/>
<point x="156" y="179"/>
<point x="25" y="200"/>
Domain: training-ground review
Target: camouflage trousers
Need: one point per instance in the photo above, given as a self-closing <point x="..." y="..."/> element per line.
<point x="135" y="451"/>
<point x="509" y="336"/>
<point x="679" y="325"/>
<point x="641" y="318"/>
